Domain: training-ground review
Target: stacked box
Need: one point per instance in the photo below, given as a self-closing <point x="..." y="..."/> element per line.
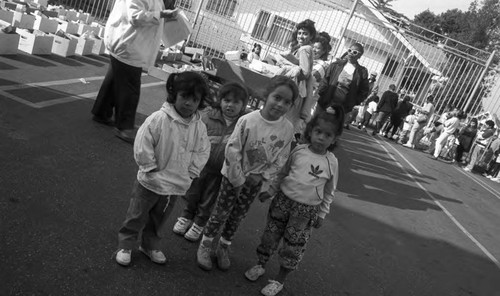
<point x="7" y="16"/>
<point x="68" y="27"/>
<point x="64" y="47"/>
<point x="84" y="46"/>
<point x="34" y="43"/>
<point x="45" y="24"/>
<point x="98" y="47"/>
<point x="23" y="20"/>
<point x="8" y="43"/>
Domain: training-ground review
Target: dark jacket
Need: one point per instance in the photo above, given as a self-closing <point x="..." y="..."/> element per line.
<point x="218" y="134"/>
<point x="358" y="89"/>
<point x="388" y="102"/>
<point x="402" y="109"/>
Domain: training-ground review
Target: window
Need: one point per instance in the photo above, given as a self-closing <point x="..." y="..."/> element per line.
<point x="273" y="29"/>
<point x="185" y="4"/>
<point x="222" y="7"/>
<point x="390" y="67"/>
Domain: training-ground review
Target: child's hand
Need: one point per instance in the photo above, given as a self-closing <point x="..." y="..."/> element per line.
<point x="263" y="196"/>
<point x="318" y="223"/>
<point x="254" y="180"/>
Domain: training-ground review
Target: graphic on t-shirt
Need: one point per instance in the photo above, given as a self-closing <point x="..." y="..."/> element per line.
<point x="315" y="171"/>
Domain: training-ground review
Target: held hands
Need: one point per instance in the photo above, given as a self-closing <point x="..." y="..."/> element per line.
<point x="254" y="180"/>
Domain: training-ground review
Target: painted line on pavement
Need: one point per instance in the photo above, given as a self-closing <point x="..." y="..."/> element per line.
<point x="63" y="100"/>
<point x="480" y="182"/>
<point x="452" y="218"/>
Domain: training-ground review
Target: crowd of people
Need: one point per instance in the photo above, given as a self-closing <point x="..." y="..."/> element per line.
<point x="221" y="157"/>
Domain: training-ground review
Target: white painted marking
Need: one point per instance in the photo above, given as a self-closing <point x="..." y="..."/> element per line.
<point x="480" y="182"/>
<point x="452" y="218"/>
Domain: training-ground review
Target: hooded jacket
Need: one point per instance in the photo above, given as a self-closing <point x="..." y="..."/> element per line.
<point x="170" y="151"/>
<point x="134" y="30"/>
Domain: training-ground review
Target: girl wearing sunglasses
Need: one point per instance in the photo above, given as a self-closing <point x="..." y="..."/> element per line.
<point x="345" y="82"/>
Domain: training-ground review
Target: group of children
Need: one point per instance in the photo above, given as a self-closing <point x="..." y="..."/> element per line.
<point x="221" y="161"/>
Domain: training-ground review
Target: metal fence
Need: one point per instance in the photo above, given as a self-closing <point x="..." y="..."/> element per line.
<point x="418" y="61"/>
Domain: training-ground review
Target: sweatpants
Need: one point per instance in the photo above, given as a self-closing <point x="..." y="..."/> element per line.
<point x="120" y="89"/>
<point x="147" y="212"/>
<point x="288" y="222"/>
<point x="201" y="197"/>
<point x="230" y="210"/>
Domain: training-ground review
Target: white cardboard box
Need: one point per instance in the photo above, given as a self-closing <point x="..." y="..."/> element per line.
<point x="83" y="46"/>
<point x="23" y="20"/>
<point x="82" y="28"/>
<point x="35" y="44"/>
<point x="98" y="47"/>
<point x="64" y="47"/>
<point x="8" y="43"/>
<point x="41" y="2"/>
<point x="68" y="27"/>
<point x="71" y="15"/>
<point x="45" y="24"/>
<point x="7" y="16"/>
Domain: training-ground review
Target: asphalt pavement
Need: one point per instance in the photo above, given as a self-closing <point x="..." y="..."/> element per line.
<point x="401" y="223"/>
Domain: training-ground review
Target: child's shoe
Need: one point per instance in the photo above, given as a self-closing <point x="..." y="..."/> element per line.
<point x="222" y="253"/>
<point x="123" y="257"/>
<point x="193" y="233"/>
<point x="182" y="225"/>
<point x="271" y="289"/>
<point x="156" y="256"/>
<point x="203" y="255"/>
<point x="255" y="273"/>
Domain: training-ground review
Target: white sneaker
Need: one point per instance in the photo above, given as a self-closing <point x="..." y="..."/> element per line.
<point x="255" y="273"/>
<point x="156" y="256"/>
<point x="123" y="257"/>
<point x="273" y="288"/>
<point x="203" y="255"/>
<point x="182" y="225"/>
<point x="193" y="233"/>
<point x="466" y="169"/>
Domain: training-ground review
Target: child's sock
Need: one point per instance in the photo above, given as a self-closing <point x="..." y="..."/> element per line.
<point x="224" y="241"/>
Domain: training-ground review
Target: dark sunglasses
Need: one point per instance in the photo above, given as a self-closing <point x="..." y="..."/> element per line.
<point x="353" y="51"/>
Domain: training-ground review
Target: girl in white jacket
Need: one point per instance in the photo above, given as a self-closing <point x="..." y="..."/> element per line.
<point x="171" y="148"/>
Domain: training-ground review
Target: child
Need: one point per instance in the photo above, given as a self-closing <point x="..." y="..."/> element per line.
<point x="407" y="124"/>
<point x="171" y="148"/>
<point x="304" y="189"/>
<point x="372" y="107"/>
<point x="255" y="152"/>
<point x="220" y="122"/>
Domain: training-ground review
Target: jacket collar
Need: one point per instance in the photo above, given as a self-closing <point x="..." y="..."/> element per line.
<point x="169" y="109"/>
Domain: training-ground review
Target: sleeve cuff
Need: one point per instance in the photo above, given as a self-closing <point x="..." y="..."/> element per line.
<point x="147" y="168"/>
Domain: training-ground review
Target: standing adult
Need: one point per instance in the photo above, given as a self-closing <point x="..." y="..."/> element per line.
<point x="133" y="34"/>
<point x="400" y="112"/>
<point x="385" y="107"/>
<point x="345" y="82"/>
<point x="301" y="51"/>
<point x="466" y="137"/>
<point x="483" y="138"/>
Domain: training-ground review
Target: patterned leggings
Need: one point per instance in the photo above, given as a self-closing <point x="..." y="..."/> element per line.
<point x="291" y="222"/>
<point x="230" y="210"/>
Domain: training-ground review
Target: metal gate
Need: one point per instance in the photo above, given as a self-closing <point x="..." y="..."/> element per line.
<point x="418" y="61"/>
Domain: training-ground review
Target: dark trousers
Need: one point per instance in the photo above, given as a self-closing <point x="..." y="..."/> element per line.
<point x="147" y="212"/>
<point x="201" y="197"/>
<point x="394" y="124"/>
<point x="120" y="89"/>
<point x="494" y="169"/>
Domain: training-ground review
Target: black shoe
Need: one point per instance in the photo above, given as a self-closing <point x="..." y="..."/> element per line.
<point x="126" y="135"/>
<point x="105" y="121"/>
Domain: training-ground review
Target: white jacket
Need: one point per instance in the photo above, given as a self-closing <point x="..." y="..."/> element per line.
<point x="170" y="152"/>
<point x="134" y="31"/>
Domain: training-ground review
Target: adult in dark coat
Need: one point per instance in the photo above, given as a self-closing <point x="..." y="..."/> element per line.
<point x="345" y="82"/>
<point x="385" y="107"/>
<point x="466" y="137"/>
<point x="398" y="115"/>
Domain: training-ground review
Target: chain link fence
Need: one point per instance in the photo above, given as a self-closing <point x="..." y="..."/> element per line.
<point x="418" y="61"/>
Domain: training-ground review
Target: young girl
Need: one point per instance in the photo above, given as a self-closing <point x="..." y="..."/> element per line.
<point x="304" y="189"/>
<point x="220" y="121"/>
<point x="255" y="152"/>
<point x="171" y="148"/>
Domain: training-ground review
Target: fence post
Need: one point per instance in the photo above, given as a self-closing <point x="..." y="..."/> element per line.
<point x="342" y="33"/>
<point x="479" y="80"/>
<point x="195" y="21"/>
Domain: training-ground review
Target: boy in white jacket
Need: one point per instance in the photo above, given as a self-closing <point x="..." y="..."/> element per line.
<point x="171" y="149"/>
